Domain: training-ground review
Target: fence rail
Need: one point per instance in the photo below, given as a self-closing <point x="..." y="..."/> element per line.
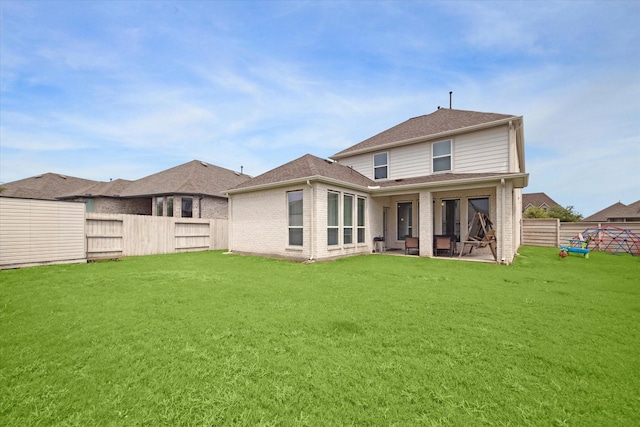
<point x="116" y="235"/>
<point x="551" y="232"/>
<point x="36" y="232"/>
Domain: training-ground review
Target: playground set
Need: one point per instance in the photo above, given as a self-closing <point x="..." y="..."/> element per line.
<point x="606" y="238"/>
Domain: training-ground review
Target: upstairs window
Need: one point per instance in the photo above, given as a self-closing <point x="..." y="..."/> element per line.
<point x="381" y="166"/>
<point x="442" y="156"/>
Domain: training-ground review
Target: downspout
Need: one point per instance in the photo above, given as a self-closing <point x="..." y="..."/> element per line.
<point x="504" y="216"/>
<point x="229" y="223"/>
<point x="312" y="231"/>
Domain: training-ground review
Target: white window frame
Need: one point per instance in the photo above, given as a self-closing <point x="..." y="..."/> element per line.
<point x="184" y="213"/>
<point x="160" y="206"/>
<point x="385" y="165"/>
<point x="361" y="225"/>
<point x="291" y="227"/>
<point x="348" y="216"/>
<point x="335" y="228"/>
<point x="434" y="157"/>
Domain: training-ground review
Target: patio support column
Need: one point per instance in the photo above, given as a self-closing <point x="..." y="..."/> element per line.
<point x="426" y="224"/>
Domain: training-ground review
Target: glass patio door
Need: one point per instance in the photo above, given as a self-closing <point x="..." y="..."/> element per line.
<point x="451" y="218"/>
<point x="405" y="219"/>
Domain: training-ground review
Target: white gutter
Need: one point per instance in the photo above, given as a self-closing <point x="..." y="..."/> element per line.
<point x="297" y="181"/>
<point x="451" y="183"/>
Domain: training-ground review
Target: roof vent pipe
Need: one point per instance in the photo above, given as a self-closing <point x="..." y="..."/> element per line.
<point x="450" y="93"/>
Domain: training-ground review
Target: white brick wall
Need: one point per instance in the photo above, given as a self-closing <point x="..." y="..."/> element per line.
<point x="259" y="220"/>
<point x="259" y="224"/>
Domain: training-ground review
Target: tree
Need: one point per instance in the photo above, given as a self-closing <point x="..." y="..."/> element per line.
<point x="535" y="212"/>
<point x="564" y="214"/>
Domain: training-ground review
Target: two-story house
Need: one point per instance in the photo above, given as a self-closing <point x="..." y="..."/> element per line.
<point x="424" y="177"/>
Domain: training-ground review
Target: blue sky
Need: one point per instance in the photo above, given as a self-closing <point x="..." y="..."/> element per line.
<point x="124" y="89"/>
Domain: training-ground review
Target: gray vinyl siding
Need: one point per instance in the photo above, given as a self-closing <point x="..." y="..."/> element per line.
<point x="476" y="152"/>
<point x="41" y="231"/>
<point x="482" y="151"/>
<point x="410" y="160"/>
<point x="363" y="163"/>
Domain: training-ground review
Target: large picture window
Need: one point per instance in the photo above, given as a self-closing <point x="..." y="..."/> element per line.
<point x="479" y="204"/>
<point x="294" y="209"/>
<point x="442" y="156"/>
<point x="360" y="223"/>
<point x="381" y="166"/>
<point x="347" y="229"/>
<point x="333" y="218"/>
<point x="187" y="207"/>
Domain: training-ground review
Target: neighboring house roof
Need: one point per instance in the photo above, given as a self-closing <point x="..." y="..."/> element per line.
<point x="437" y="124"/>
<point x="307" y="167"/>
<point x="539" y="200"/>
<point x="617" y="211"/>
<point x="48" y="186"/>
<point x="100" y="189"/>
<point x="194" y="177"/>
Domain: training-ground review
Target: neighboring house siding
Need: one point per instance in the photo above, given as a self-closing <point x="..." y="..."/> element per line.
<point x="41" y="232"/>
<point x="123" y="206"/>
<point x="482" y="151"/>
<point x="215" y="207"/>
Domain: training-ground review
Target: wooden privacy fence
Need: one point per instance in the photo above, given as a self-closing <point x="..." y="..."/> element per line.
<point x="551" y="232"/>
<point x="116" y="235"/>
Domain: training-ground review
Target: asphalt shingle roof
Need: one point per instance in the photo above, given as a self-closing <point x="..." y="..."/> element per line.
<point x="48" y="186"/>
<point x="308" y="166"/>
<point x="439" y="122"/>
<point x="194" y="177"/>
<point x="617" y="210"/>
<point x="537" y="199"/>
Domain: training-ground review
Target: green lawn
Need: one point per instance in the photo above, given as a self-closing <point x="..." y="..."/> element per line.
<point x="214" y="339"/>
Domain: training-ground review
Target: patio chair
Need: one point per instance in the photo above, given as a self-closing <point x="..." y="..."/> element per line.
<point x="411" y="246"/>
<point x="444" y="243"/>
